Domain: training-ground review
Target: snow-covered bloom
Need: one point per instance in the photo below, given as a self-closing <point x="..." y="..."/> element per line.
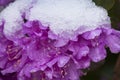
<point x="54" y="39"/>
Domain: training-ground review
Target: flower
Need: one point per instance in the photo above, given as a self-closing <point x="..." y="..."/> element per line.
<point x="40" y="42"/>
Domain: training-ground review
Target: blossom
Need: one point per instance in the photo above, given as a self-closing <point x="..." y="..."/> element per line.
<point x="54" y="40"/>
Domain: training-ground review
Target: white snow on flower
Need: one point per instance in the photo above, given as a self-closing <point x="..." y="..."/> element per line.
<point x="69" y="15"/>
<point x="62" y="16"/>
<point x="12" y="15"/>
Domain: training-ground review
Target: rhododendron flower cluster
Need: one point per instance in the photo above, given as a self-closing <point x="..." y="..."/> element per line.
<point x="54" y="39"/>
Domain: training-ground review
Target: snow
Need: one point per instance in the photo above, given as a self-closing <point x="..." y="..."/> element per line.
<point x="69" y="15"/>
<point x="62" y="16"/>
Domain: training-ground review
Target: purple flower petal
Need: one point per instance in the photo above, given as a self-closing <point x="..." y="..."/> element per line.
<point x="92" y="34"/>
<point x="63" y="60"/>
<point x="113" y="42"/>
<point x="60" y="42"/>
<point x="83" y="51"/>
<point x="97" y="53"/>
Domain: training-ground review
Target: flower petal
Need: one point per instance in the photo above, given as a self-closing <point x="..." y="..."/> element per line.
<point x="113" y="42"/>
<point x="97" y="53"/>
<point x="83" y="51"/>
<point x="63" y="60"/>
<point x="92" y="34"/>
